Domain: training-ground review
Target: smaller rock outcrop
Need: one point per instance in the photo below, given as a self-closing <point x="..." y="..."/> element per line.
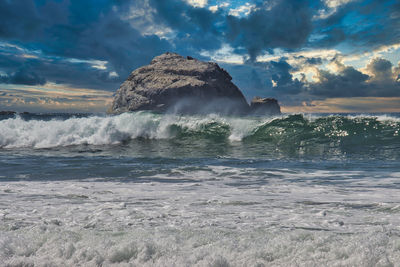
<point x="7" y="112"/>
<point x="262" y="106"/>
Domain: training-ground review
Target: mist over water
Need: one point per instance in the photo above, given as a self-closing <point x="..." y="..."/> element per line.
<point x="159" y="190"/>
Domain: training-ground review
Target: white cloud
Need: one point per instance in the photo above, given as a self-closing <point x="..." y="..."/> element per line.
<point x="29" y="56"/>
<point x="242" y="11"/>
<point x="213" y="8"/>
<point x="224" y="54"/>
<point x="331" y="8"/>
<point x="216" y="7"/>
<point x="336" y="3"/>
<point x="298" y="60"/>
<point x="326" y="54"/>
<point x="98" y="64"/>
<point x="197" y="3"/>
<point x="141" y="17"/>
<point x="390" y="52"/>
<point x="113" y="74"/>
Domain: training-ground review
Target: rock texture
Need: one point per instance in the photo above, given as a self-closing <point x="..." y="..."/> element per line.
<point x="172" y="83"/>
<point x="262" y="106"/>
<point x="178" y="84"/>
<point x="7" y="112"/>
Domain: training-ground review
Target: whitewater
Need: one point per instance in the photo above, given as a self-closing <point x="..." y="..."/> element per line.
<point x="147" y="189"/>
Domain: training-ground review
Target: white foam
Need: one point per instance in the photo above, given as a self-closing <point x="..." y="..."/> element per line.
<point x="217" y="217"/>
<point x="103" y="130"/>
<point x="98" y="130"/>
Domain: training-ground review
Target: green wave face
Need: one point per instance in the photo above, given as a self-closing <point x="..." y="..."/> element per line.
<point x="304" y="135"/>
<point x="299" y="134"/>
<point x="357" y="130"/>
<point x="298" y="128"/>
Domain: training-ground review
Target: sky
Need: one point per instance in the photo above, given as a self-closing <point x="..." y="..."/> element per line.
<point x="313" y="56"/>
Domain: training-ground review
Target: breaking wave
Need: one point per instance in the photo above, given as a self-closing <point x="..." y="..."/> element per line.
<point x="19" y="132"/>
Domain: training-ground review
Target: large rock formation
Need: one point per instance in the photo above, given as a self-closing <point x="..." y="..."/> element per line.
<point x="172" y="83"/>
<point x="261" y="106"/>
<point x="177" y="84"/>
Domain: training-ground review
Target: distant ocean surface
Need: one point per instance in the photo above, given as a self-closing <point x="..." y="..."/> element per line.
<point x="144" y="189"/>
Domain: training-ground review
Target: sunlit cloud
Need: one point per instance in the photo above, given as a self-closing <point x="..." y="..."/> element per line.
<point x="215" y="8"/>
<point x="198" y="3"/>
<point x="326" y="54"/>
<point x="225" y="54"/>
<point x="142" y="17"/>
<point x="331" y="7"/>
<point x="346" y="105"/>
<point x="53" y="97"/>
<point x="242" y="11"/>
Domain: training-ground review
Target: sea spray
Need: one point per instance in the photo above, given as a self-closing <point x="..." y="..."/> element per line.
<point x="108" y="130"/>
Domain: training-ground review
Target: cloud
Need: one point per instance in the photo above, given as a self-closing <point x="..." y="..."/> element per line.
<point x="23" y="76"/>
<point x="344" y="105"/>
<point x="380" y="70"/>
<point x="53" y="97"/>
<point x="197" y="3"/>
<point x="383" y="78"/>
<point x="286" y="24"/>
<point x="379" y="80"/>
<point x="282" y="78"/>
<point x="396" y="72"/>
<point x="283" y="47"/>
<point x="38" y="71"/>
<point x="289" y="81"/>
<point x="250" y="29"/>
<point x="364" y="25"/>
<point x="85" y="30"/>
<point x="272" y="78"/>
<point x="242" y="11"/>
<point x="347" y="82"/>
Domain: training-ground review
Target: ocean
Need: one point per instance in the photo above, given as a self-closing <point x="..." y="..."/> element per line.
<point x="146" y="189"/>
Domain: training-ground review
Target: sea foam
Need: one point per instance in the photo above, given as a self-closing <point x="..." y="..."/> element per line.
<point x="103" y="130"/>
<point x="108" y="130"/>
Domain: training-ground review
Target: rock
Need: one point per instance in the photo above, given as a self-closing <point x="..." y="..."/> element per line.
<point x="172" y="83"/>
<point x="263" y="106"/>
<point x="7" y="112"/>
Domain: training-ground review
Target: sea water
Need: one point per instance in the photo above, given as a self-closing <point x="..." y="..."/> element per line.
<point x="145" y="189"/>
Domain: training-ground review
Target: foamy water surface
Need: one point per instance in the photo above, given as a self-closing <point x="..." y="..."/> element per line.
<point x="145" y="189"/>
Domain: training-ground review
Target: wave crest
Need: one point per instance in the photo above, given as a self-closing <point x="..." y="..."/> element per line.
<point x="108" y="130"/>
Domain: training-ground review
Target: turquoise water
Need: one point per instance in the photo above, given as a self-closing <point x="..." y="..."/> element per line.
<point x="161" y="190"/>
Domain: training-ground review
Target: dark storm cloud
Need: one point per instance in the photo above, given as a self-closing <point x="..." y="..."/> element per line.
<point x="272" y="78"/>
<point x="285" y="24"/>
<point x="252" y="79"/>
<point x="23" y="76"/>
<point x="281" y="75"/>
<point x="196" y="28"/>
<point x="361" y="24"/>
<point x="384" y="80"/>
<point x="36" y="70"/>
<point x="349" y="82"/>
<point x="88" y="30"/>
<point x="83" y="30"/>
<point x="381" y="69"/>
<point x="64" y="37"/>
<point x="275" y="78"/>
<point x="310" y="61"/>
